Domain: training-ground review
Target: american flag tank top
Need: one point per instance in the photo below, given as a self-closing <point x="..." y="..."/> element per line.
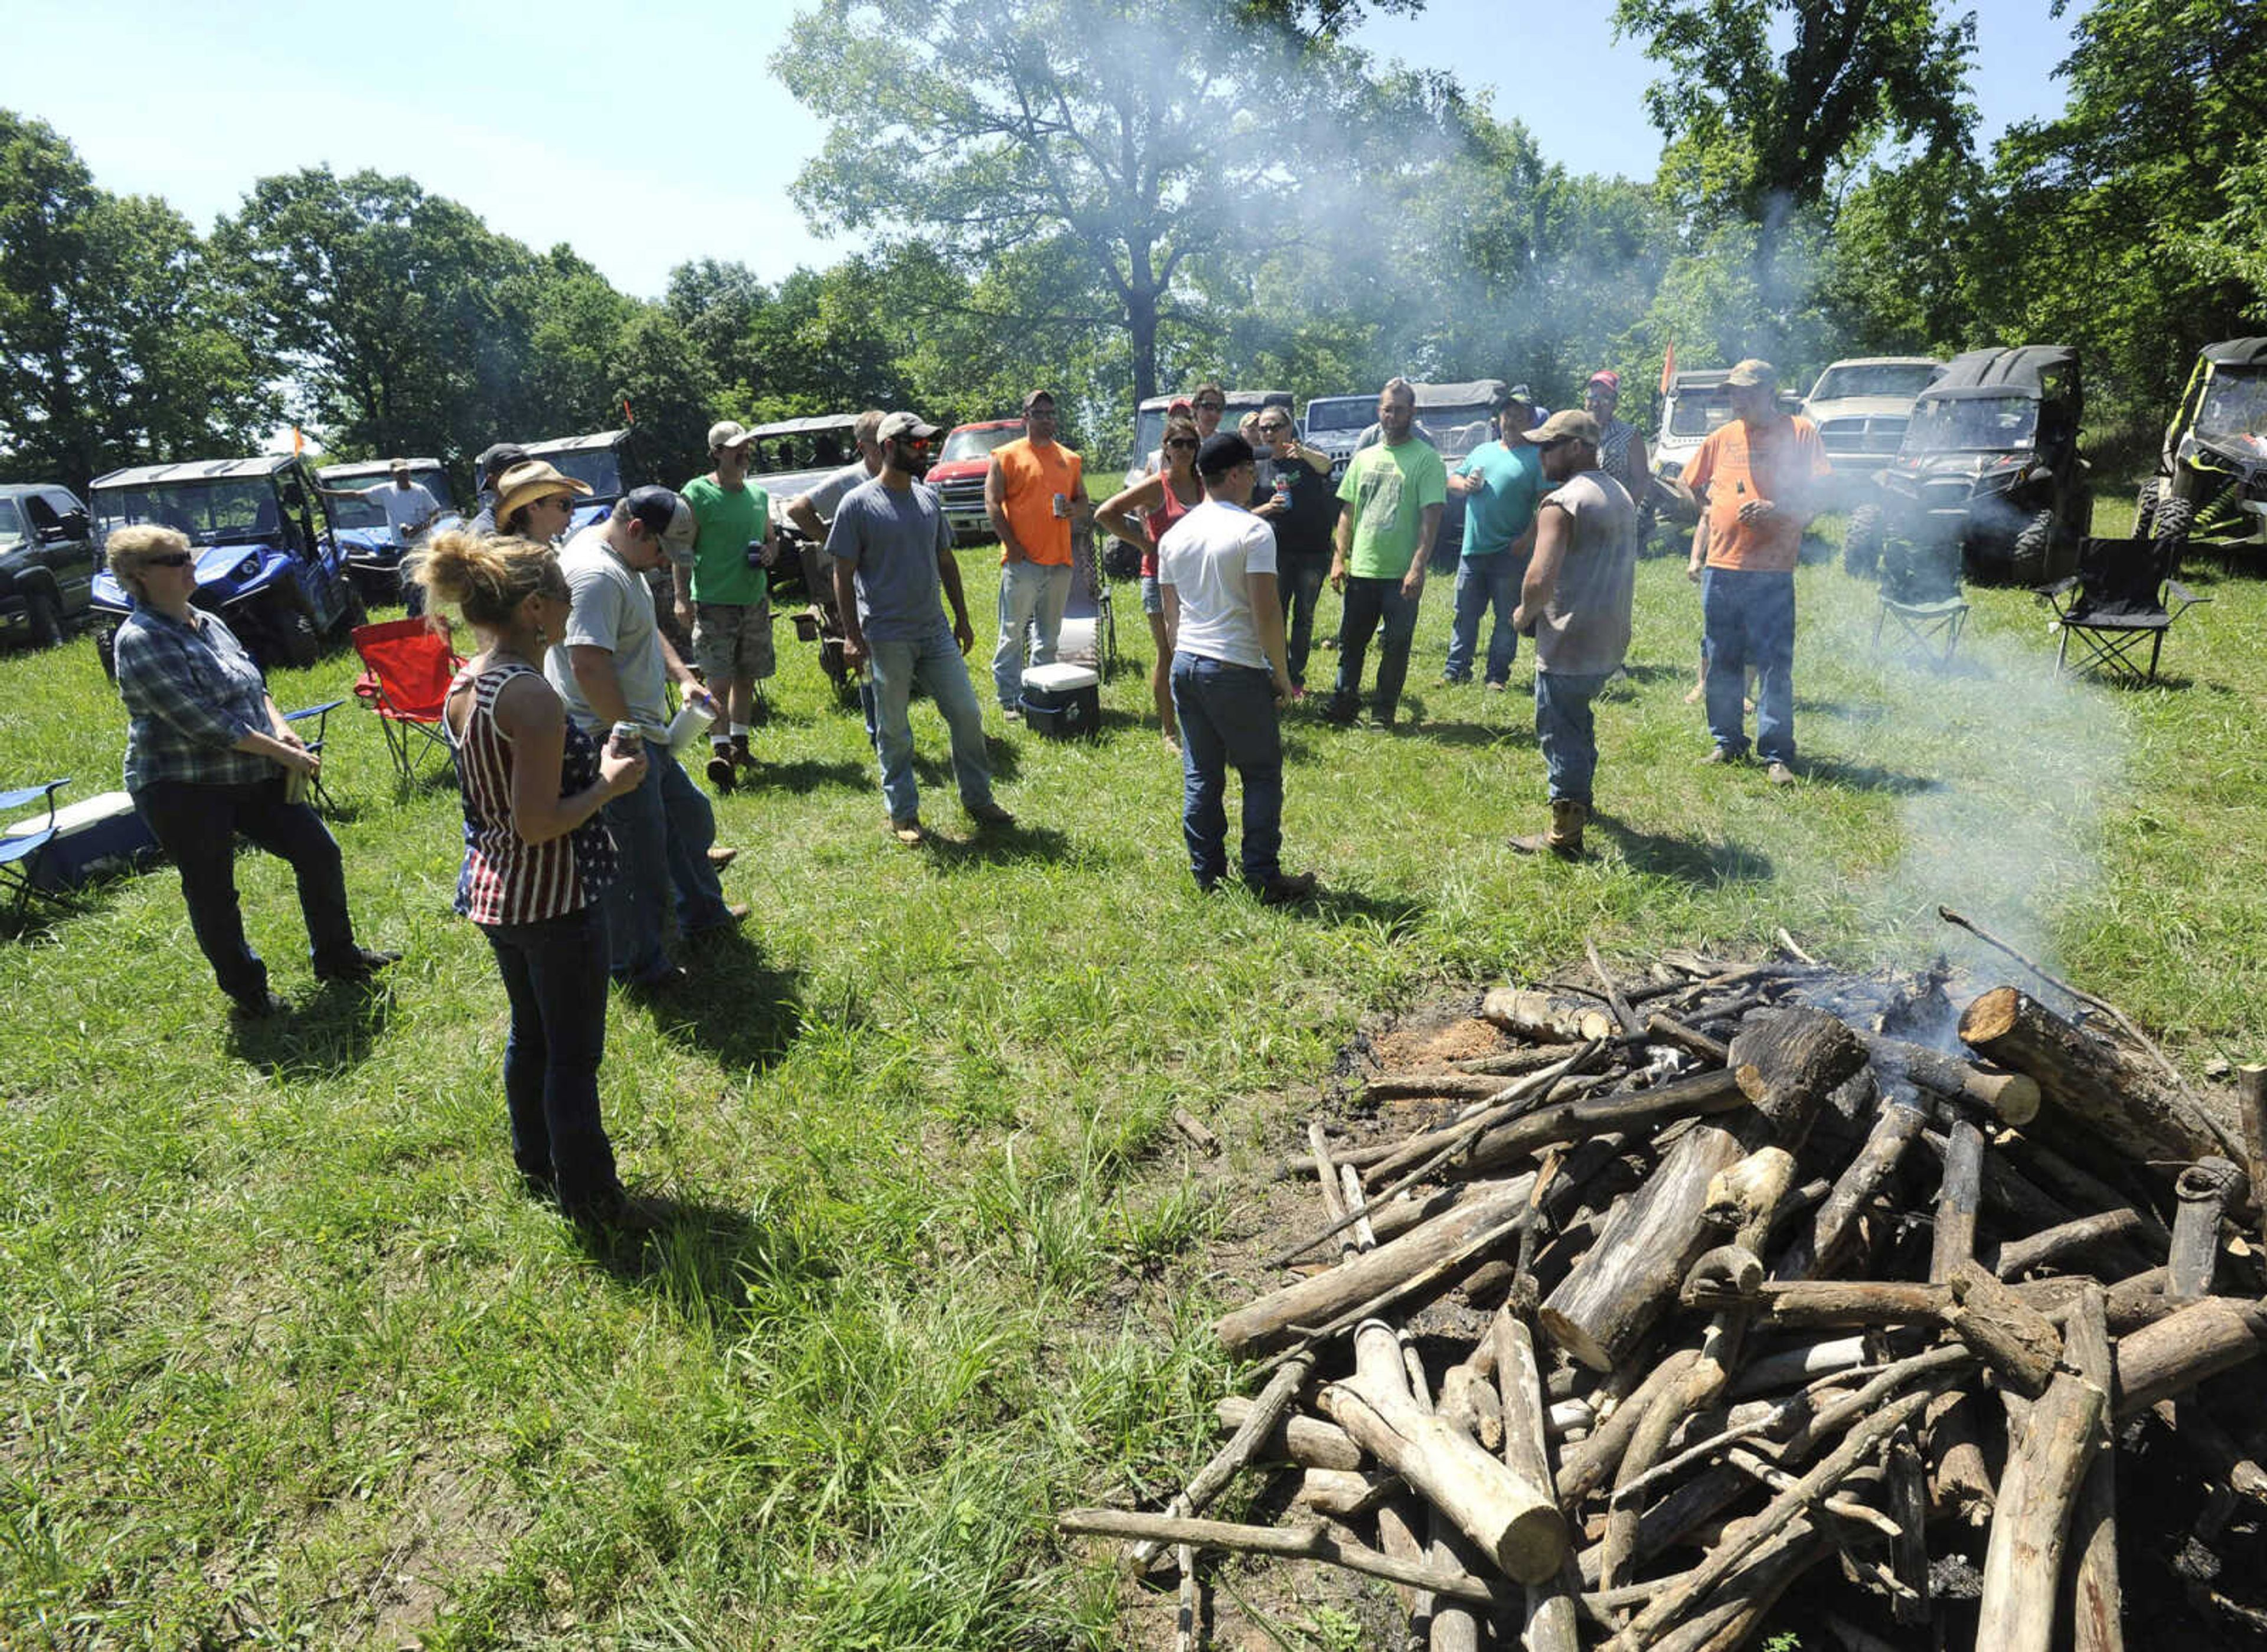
<point x="505" y="878"/>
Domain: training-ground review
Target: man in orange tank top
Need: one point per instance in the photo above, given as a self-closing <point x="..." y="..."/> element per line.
<point x="1035" y="496"/>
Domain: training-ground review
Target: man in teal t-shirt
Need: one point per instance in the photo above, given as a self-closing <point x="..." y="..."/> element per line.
<point x="1393" y="493"/>
<point x="1502" y="485"/>
<point x="723" y="594"/>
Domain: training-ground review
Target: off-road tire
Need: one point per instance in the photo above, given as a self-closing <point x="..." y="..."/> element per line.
<point x="1861" y="541"/>
<point x="354" y="615"/>
<point x="2145" y="508"/>
<point x="45" y="617"/>
<point x="2169" y="534"/>
<point x="2034" y="549"/>
<point x="290" y="633"/>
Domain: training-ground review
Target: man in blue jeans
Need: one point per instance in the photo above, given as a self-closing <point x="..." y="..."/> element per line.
<point x="1501" y="481"/>
<point x="892" y="548"/>
<point x="612" y="666"/>
<point x="1576" y="603"/>
<point x="1216" y="567"/>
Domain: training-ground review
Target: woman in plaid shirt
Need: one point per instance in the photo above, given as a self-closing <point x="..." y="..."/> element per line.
<point x="207" y="757"/>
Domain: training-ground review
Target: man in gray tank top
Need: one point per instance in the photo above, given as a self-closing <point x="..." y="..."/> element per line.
<point x="1575" y="604"/>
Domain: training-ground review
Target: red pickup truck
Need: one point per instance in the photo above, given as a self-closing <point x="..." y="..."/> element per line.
<point x="958" y="475"/>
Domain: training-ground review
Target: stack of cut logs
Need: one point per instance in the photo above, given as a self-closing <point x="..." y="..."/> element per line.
<point x="1716" y="1273"/>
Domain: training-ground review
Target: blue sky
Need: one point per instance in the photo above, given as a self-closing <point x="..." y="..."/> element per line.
<point x="544" y="123"/>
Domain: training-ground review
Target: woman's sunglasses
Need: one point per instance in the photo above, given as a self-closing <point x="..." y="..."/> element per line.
<point x="1181" y="441"/>
<point x="171" y="559"/>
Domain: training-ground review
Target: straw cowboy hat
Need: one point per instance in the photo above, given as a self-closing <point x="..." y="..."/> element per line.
<point x="525" y="484"/>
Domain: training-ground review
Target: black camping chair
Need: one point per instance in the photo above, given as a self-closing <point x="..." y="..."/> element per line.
<point x="2122" y="598"/>
<point x="1921" y="594"/>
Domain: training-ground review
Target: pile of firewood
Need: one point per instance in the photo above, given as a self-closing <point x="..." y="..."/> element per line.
<point x="1717" y="1272"/>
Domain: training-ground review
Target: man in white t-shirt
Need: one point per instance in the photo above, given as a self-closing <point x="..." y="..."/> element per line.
<point x="409" y="506"/>
<point x="1217" y="568"/>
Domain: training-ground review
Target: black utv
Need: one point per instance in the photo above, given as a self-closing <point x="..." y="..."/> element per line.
<point x="2212" y="476"/>
<point x="1990" y="463"/>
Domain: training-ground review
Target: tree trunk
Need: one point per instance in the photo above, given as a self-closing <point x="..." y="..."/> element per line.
<point x="1315" y="1301"/>
<point x="2088" y="1082"/>
<point x="2047" y="1458"/>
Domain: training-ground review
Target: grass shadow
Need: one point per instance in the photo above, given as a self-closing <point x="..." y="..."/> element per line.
<point x="734" y="1004"/>
<point x="321" y="1038"/>
<point x="1866" y="777"/>
<point x="1463" y="733"/>
<point x="995" y="846"/>
<point x="804" y="774"/>
<point x="1395" y="917"/>
<point x="1703" y="864"/>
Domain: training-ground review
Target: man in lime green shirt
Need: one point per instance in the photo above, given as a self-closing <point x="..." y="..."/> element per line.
<point x="724" y="595"/>
<point x="1393" y="493"/>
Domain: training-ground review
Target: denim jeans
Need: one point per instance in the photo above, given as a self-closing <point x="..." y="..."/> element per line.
<point x="1564" y="730"/>
<point x="1228" y="719"/>
<point x="1369" y="602"/>
<point x="1033" y="597"/>
<point x="934" y="662"/>
<point x="197" y="827"/>
<point x="1748" y="617"/>
<point x="662" y="832"/>
<point x="1299" y="579"/>
<point x="1487" y="582"/>
<point x="555" y="975"/>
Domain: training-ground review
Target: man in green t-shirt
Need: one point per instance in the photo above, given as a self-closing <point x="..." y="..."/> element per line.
<point x="1393" y="493"/>
<point x="723" y="594"/>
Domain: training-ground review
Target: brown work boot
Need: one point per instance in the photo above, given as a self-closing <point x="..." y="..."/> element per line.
<point x="742" y="758"/>
<point x="1565" y="837"/>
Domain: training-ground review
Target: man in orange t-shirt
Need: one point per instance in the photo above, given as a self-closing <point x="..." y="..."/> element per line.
<point x="1035" y="497"/>
<point x="1759" y="475"/>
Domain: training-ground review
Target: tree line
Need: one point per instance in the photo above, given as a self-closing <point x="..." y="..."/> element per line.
<point x="1112" y="197"/>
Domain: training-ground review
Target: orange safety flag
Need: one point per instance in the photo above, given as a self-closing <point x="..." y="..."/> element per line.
<point x="627" y="416"/>
<point x="298" y="441"/>
<point x="1669" y="367"/>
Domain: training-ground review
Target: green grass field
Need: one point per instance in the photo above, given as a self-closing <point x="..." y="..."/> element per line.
<point x="290" y="1360"/>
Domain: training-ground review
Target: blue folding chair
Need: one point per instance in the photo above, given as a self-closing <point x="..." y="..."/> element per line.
<point x="24" y="848"/>
<point x="322" y="716"/>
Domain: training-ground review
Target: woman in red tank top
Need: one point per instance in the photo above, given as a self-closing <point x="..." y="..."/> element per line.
<point x="1160" y="501"/>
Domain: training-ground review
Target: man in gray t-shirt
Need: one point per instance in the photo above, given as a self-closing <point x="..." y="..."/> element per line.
<point x="1575" y="602"/>
<point x="891" y="548"/>
<point x="611" y="666"/>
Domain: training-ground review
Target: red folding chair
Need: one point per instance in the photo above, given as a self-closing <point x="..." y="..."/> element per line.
<point x="407" y="665"/>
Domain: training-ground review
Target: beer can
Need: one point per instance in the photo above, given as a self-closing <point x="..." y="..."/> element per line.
<point x="624" y="738"/>
<point x="295" y="785"/>
<point x="1062" y="504"/>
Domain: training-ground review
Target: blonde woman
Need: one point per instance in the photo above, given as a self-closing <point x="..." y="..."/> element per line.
<point x="536" y="856"/>
<point x="208" y="756"/>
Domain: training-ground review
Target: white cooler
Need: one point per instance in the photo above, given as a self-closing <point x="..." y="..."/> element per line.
<point x="90" y="837"/>
<point x="1063" y="702"/>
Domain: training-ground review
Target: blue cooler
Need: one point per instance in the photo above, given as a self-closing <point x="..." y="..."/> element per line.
<point x="99" y="835"/>
<point x="1063" y="702"/>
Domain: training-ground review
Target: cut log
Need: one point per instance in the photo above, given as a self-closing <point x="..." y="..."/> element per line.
<point x="2082" y="1233"/>
<point x="1583" y="1468"/>
<point x="1827" y="1243"/>
<point x="2047" y="1455"/>
<point x="1312" y="1302"/>
<point x="1515" y="1523"/>
<point x="1547" y="1017"/>
<point x="2088" y="1082"/>
<point x="1909" y="1540"/>
<point x="2005" y="1333"/>
<point x="1620" y="1110"/>
<point x="1826" y="1304"/>
<point x="1959" y="1483"/>
<point x="2185" y="1348"/>
<point x="1310" y="1544"/>
<point x="2251" y="1111"/>
<point x="2205" y="1190"/>
<point x="1956" y="1201"/>
<point x="2097" y="1601"/>
<point x="2010" y="1098"/>
<point x="1788" y="1062"/>
<point x="1345" y="1494"/>
<point x="1672" y="1031"/>
<point x="1308" y="1441"/>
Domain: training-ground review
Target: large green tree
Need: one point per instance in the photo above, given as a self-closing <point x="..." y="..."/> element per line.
<point x="1123" y="133"/>
<point x="117" y="342"/>
<point x="406" y="323"/>
<point x="2130" y="223"/>
<point x="1764" y="103"/>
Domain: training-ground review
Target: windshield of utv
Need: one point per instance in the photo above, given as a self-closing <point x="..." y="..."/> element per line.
<point x="2236" y="404"/>
<point x="1697" y="412"/>
<point x="1971" y="424"/>
<point x="210" y="513"/>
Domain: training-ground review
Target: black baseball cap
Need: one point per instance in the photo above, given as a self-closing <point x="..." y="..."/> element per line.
<point x="1223" y="451"/>
<point x="496" y="460"/>
<point x="665" y="514"/>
